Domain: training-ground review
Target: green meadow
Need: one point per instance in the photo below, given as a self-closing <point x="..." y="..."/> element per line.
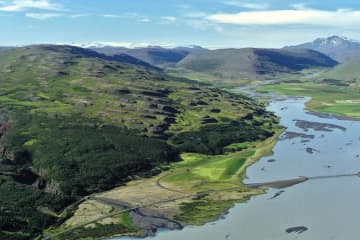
<point x="333" y="99"/>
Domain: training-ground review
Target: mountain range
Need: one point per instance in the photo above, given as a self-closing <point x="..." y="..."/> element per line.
<point x="233" y="66"/>
<point x="225" y="66"/>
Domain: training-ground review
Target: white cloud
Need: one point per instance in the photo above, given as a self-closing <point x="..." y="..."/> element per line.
<point x="169" y="18"/>
<point x="299" y="6"/>
<point x="23" y="5"/>
<point x="195" y="14"/>
<point x="337" y="18"/>
<point x="144" y="19"/>
<point x="249" y="5"/>
<point x="80" y="15"/>
<point x="42" y="16"/>
<point x="112" y="16"/>
<point x="135" y="16"/>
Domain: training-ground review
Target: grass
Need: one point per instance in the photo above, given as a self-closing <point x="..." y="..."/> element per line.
<point x="225" y="167"/>
<point x="201" y="211"/>
<point x="338" y="100"/>
<point x="209" y="168"/>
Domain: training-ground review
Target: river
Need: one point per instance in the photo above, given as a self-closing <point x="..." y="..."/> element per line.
<point x="324" y="209"/>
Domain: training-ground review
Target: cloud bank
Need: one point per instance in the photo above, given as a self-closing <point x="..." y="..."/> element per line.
<point x="42" y="16"/>
<point x="23" y="5"/>
<point x="337" y="18"/>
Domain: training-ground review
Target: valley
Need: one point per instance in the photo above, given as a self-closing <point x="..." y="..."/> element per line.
<point x="179" y="120"/>
<point x="132" y="142"/>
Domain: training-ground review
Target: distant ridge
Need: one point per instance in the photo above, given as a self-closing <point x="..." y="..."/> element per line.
<point x="239" y="65"/>
<point x="341" y="49"/>
<point x="154" y="55"/>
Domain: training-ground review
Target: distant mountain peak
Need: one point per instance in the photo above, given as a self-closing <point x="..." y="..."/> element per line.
<point x="334" y="41"/>
<point x="339" y="48"/>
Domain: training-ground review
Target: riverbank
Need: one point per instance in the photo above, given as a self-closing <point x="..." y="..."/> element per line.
<point x="195" y="191"/>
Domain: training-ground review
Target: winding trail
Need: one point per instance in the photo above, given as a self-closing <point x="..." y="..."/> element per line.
<point x="160" y="185"/>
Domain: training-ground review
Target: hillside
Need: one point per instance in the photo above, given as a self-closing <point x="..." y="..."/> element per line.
<point x="74" y="122"/>
<point x="339" y="48"/>
<point x="157" y="56"/>
<point x="240" y="65"/>
<point x="349" y="71"/>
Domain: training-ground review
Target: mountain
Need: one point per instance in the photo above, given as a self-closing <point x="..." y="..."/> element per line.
<point x="74" y="122"/>
<point x="339" y="48"/>
<point x="154" y="55"/>
<point x="239" y="65"/>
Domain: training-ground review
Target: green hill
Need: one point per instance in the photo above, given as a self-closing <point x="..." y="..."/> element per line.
<point x="236" y="66"/>
<point x="349" y="71"/>
<point x="74" y="122"/>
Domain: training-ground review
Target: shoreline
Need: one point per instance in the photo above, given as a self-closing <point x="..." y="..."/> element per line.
<point x="332" y="116"/>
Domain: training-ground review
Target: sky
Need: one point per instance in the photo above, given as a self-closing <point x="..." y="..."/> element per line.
<point x="207" y="23"/>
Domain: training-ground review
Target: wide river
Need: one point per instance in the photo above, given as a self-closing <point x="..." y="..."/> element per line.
<point x="327" y="209"/>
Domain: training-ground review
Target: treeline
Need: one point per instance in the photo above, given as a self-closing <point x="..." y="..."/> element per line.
<point x="211" y="139"/>
<point x="20" y="209"/>
<point x="73" y="155"/>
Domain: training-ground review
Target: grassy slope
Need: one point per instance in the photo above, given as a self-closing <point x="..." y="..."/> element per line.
<point x="348" y="72"/>
<point x="76" y="118"/>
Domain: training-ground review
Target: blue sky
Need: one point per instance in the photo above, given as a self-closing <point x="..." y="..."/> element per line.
<point x="209" y="23"/>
